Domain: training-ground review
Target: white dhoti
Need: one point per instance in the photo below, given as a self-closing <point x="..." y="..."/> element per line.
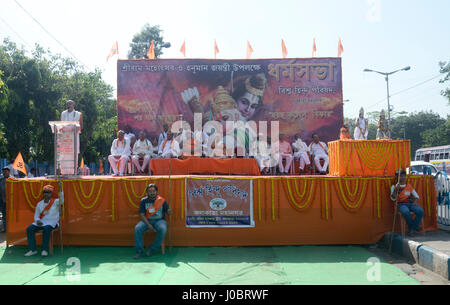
<point x="113" y="162"/>
<point x="135" y="159"/>
<point x="289" y="158"/>
<point x="317" y="162"/>
<point x="303" y="157"/>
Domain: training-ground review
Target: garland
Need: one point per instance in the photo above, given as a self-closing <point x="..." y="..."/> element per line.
<point x="273" y="202"/>
<point x="129" y="198"/>
<point x="82" y="191"/>
<point x="375" y="160"/>
<point x="326" y="199"/>
<point x="40" y="190"/>
<point x="113" y="214"/>
<point x="353" y="205"/>
<point x="95" y="201"/>
<point x="307" y="202"/>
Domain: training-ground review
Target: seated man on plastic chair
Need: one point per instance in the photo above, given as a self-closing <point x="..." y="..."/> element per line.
<point x="120" y="153"/>
<point x="142" y="150"/>
<point x="407" y="199"/>
<point x="320" y="151"/>
<point x="46" y="218"/>
<point x="286" y="153"/>
<point x="152" y="211"/>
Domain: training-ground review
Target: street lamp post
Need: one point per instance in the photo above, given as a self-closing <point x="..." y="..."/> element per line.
<point x="386" y="74"/>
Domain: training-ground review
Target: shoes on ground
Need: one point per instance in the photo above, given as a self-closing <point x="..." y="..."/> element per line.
<point x="30" y="253"/>
<point x="44" y="253"/>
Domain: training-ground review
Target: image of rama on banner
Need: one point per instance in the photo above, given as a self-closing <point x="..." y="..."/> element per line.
<point x="219" y="203"/>
<point x="302" y="95"/>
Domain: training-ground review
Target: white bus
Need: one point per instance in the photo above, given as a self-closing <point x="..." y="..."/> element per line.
<point x="439" y="156"/>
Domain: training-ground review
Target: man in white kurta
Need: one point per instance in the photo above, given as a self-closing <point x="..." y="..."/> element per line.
<point x="120" y="152"/>
<point x="301" y="151"/>
<point x="71" y="115"/>
<point x="169" y="148"/>
<point x="142" y="149"/>
<point x="320" y="151"/>
<point x="46" y="218"/>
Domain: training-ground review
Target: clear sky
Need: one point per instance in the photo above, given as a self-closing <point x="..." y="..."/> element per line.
<point x="383" y="35"/>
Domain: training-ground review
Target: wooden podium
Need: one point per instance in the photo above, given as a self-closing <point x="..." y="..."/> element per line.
<point x="67" y="146"/>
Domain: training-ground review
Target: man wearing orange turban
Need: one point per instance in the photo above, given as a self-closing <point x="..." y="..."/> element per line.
<point x="46" y="218"/>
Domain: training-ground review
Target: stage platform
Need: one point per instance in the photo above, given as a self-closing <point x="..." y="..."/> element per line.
<point x="287" y="210"/>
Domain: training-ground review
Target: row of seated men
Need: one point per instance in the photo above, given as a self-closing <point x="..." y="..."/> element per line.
<point x="129" y="152"/>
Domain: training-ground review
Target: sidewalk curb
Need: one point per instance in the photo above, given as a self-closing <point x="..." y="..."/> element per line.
<point x="424" y="256"/>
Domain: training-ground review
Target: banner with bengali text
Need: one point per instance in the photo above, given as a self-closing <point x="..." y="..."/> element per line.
<point x="219" y="203"/>
<point x="303" y="94"/>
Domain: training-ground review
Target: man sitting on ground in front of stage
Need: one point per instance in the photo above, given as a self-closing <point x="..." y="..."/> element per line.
<point x="152" y="211"/>
<point x="120" y="152"/>
<point x="320" y="151"/>
<point x="301" y="152"/>
<point x="286" y="153"/>
<point x="407" y="199"/>
<point x="46" y="218"/>
<point x="169" y="148"/>
<point x="142" y="149"/>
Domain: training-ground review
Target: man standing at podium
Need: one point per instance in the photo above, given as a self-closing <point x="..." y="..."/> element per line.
<point x="71" y="115"/>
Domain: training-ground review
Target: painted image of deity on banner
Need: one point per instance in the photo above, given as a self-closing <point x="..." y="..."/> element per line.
<point x="303" y="95"/>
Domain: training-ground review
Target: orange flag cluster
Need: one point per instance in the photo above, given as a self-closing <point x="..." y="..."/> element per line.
<point x="151" y="51"/>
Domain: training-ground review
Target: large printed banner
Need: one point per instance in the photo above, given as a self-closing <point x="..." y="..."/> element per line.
<point x="219" y="203"/>
<point x="303" y="95"/>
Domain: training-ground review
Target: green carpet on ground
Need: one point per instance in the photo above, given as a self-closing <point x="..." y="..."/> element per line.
<point x="291" y="265"/>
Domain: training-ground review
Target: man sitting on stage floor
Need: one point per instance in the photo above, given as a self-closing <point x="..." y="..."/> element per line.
<point x="301" y="152"/>
<point x="152" y="211"/>
<point x="142" y="149"/>
<point x="120" y="152"/>
<point x="407" y="199"/>
<point x="46" y="218"/>
<point x="169" y="148"/>
<point x="320" y="151"/>
<point x="286" y="153"/>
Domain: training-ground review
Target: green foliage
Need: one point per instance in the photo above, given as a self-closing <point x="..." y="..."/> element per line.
<point x="142" y="40"/>
<point x="37" y="88"/>
<point x="445" y="69"/>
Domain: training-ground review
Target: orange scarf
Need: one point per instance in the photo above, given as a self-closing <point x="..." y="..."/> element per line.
<point x="159" y="201"/>
<point x="49" y="205"/>
<point x="405" y="193"/>
<point x="117" y="143"/>
<point x="164" y="144"/>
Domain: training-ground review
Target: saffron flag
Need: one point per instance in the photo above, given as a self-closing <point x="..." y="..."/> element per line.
<point x="283" y="49"/>
<point x="114" y="50"/>
<point x="151" y="51"/>
<point x="340" y="48"/>
<point x="216" y="49"/>
<point x="82" y="163"/>
<point x="101" y="170"/>
<point x="183" y="48"/>
<point x="314" y="48"/>
<point x="19" y="164"/>
<point x="249" y="50"/>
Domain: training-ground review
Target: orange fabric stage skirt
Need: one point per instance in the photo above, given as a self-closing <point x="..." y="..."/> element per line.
<point x="307" y="210"/>
<point x="196" y="165"/>
<point x="368" y="157"/>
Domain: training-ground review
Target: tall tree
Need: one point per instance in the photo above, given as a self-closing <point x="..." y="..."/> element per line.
<point x="142" y="40"/>
<point x="445" y="69"/>
<point x="38" y="87"/>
